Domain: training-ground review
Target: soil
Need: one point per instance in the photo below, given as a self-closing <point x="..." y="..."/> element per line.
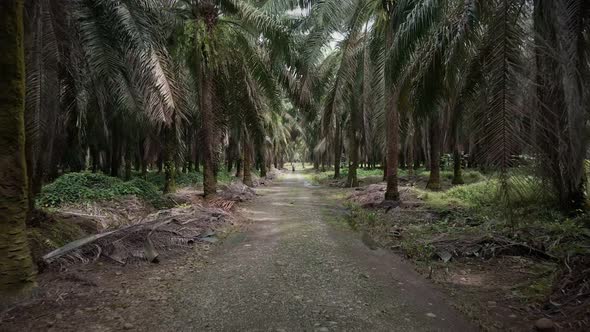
<point x="292" y="268"/>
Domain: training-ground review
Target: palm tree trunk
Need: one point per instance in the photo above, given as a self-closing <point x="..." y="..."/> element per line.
<point x="95" y="156"/>
<point x="384" y="166"/>
<point x="248" y="164"/>
<point x="169" y="162"/>
<point x="115" y="149"/>
<point x="144" y="169"/>
<point x="560" y="100"/>
<point x="435" y="145"/>
<point x="353" y="164"/>
<point x="262" y="154"/>
<point x="160" y="162"/>
<point x="16" y="266"/>
<point x="128" y="162"/>
<point x="457" y="167"/>
<point x="337" y="150"/>
<point x="392" y="126"/>
<point x="457" y="157"/>
<point x="209" y="179"/>
<point x="410" y="143"/>
<point x="197" y="161"/>
<point x="240" y="167"/>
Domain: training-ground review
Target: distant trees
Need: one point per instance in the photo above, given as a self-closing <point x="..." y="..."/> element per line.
<point x="493" y="80"/>
<point x="118" y="86"/>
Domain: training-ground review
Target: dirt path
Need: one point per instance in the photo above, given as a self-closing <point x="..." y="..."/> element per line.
<point x="294" y="271"/>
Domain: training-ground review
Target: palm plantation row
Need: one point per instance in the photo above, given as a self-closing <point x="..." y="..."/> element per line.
<point x="184" y="84"/>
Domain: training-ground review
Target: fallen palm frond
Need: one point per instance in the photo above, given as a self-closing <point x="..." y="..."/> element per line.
<point x="571" y="293"/>
<point x="158" y="232"/>
<point x="485" y="246"/>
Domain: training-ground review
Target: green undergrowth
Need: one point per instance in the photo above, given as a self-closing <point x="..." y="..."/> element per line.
<point x="376" y="175"/>
<point x="87" y="187"/>
<point x="84" y="187"/>
<point x="415" y="235"/>
<point x="519" y="211"/>
<point x="509" y="228"/>
<point x="324" y="177"/>
<point x="523" y="213"/>
<point x="515" y="195"/>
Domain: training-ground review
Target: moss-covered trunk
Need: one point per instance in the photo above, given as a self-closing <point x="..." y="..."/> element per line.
<point x="16" y="266"/>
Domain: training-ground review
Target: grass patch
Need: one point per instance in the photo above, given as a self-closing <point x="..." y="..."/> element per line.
<point x="469" y="176"/>
<point x="518" y="193"/>
<point x="323" y="177"/>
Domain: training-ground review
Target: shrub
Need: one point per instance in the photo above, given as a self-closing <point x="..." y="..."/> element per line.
<point x="80" y="187"/>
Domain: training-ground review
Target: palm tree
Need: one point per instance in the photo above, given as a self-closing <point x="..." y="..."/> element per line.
<point x="114" y="73"/>
<point x="17" y="277"/>
<point x="224" y="46"/>
<point x="561" y="52"/>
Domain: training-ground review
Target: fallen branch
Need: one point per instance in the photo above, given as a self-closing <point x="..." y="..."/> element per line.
<point x="486" y="246"/>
